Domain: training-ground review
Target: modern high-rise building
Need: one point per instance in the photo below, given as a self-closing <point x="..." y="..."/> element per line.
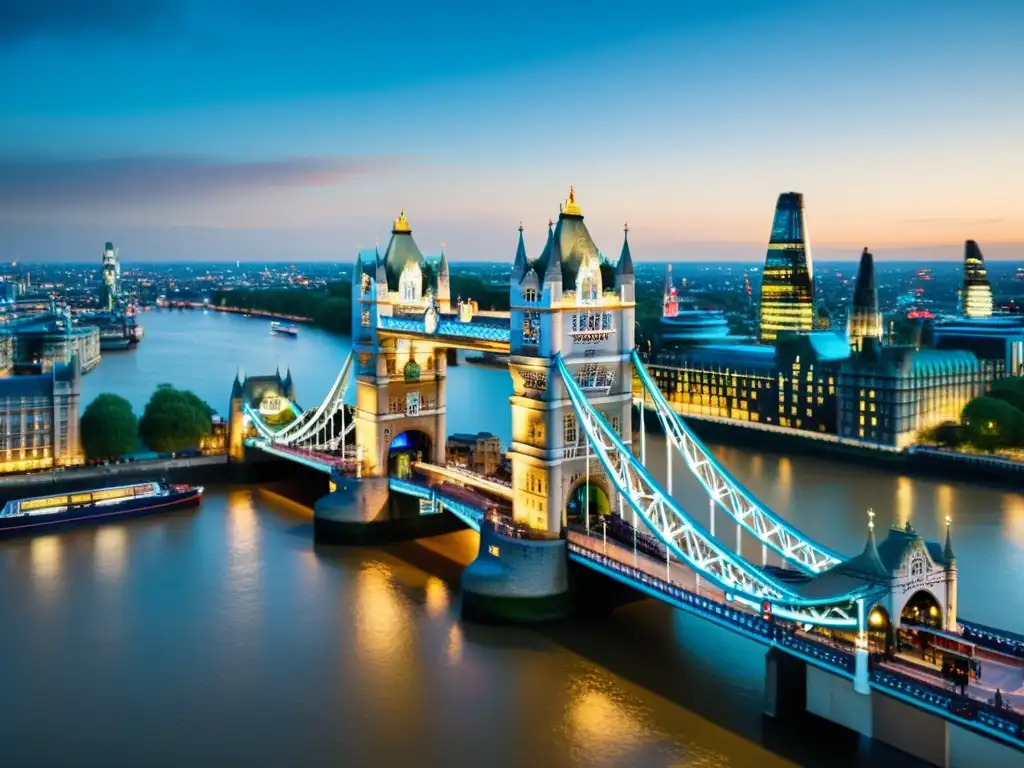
<point x="865" y="320"/>
<point x="110" y="288"/>
<point x="787" y="284"/>
<point x="977" y="293"/>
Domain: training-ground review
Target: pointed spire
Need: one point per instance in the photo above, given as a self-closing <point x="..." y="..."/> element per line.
<point x="625" y="265"/>
<point x="442" y="267"/>
<point x="947" y="551"/>
<point x="668" y="281"/>
<point x="553" y="269"/>
<point x="571" y="207"/>
<point x="520" y="263"/>
<point x="871" y="561"/>
<point x="401" y="225"/>
<point x="236" y="387"/>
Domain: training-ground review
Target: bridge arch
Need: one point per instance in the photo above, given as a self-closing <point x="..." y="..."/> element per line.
<point x="922" y="607"/>
<point x="880" y="630"/>
<point x="406" y="447"/>
<point x="600" y="498"/>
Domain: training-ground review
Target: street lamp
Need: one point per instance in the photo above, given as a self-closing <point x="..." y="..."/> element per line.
<point x="604" y="526"/>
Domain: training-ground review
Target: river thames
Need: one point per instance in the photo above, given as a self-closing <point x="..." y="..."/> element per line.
<point x="222" y="636"/>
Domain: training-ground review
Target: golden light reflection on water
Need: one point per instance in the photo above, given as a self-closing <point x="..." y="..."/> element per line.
<point x="111" y="551"/>
<point x="944" y="495"/>
<point x="437" y="597"/>
<point x="381" y="621"/>
<point x="244" y="558"/>
<point x="785" y="479"/>
<point x="1013" y="518"/>
<point x="601" y="723"/>
<point x="904" y="510"/>
<point x="455" y="644"/>
<point x="47" y="555"/>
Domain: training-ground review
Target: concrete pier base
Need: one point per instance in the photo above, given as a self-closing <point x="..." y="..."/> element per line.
<point x="792" y="686"/>
<point x="516" y="580"/>
<point x="361" y="511"/>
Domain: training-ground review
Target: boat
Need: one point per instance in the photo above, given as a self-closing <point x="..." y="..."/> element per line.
<point x="101" y="504"/>
<point x="285" y="328"/>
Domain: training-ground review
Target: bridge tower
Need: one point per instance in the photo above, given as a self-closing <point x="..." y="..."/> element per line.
<point x="570" y="301"/>
<point x="400" y="384"/>
<point x="252" y="390"/>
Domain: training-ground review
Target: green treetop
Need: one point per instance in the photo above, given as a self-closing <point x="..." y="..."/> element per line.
<point x="109" y="428"/>
<point x="175" y="420"/>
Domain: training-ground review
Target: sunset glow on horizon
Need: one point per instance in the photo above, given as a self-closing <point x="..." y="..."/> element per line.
<point x="187" y="132"/>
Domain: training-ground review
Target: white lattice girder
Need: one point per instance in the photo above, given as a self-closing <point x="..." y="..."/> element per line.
<point x="686" y="539"/>
<point x="735" y="500"/>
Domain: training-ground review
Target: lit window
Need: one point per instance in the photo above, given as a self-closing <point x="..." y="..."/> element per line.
<point x="493" y="550"/>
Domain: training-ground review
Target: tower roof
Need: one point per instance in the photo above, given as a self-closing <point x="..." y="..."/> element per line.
<point x="865" y="292"/>
<point x="625" y="265"/>
<point x="568" y="247"/>
<point x="975" y="272"/>
<point x="402" y="251"/>
<point x="520" y="264"/>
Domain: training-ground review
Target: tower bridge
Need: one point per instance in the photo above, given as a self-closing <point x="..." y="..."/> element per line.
<point x="836" y="627"/>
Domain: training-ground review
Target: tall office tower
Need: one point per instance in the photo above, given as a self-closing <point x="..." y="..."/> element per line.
<point x="670" y="301"/>
<point x="787" y="285"/>
<point x="110" y="289"/>
<point x="865" y="321"/>
<point x="977" y="294"/>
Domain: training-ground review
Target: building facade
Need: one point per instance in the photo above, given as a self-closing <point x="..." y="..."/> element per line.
<point x="787" y="282"/>
<point x="480" y="453"/>
<point x="39" y="419"/>
<point x="977" y="293"/>
<point x="997" y="342"/>
<point x="888" y="395"/>
<point x="569" y="301"/>
<point x="40" y="342"/>
<point x="792" y="384"/>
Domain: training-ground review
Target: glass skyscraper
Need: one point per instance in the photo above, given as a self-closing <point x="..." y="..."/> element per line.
<point x="977" y="294"/>
<point x="787" y="285"/>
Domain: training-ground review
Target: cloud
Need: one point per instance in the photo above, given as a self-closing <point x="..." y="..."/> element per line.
<point x="28" y="183"/>
<point x="21" y="19"/>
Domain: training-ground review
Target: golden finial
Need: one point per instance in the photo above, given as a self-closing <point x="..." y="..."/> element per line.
<point x="401" y="223"/>
<point x="520" y="227"/>
<point x="871" y="519"/>
<point x="625" y="227"/>
<point x="442" y="246"/>
<point x="572" y="208"/>
<point x="550" y="223"/>
<point x="949" y="521"/>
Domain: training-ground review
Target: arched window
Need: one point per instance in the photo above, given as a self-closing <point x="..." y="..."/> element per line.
<point x="410" y="284"/>
<point x="588" y="283"/>
<point x="917" y="567"/>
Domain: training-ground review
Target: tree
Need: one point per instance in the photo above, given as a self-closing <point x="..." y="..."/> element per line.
<point x="108" y="428"/>
<point x="991" y="423"/>
<point x="1010" y="390"/>
<point x="175" y="420"/>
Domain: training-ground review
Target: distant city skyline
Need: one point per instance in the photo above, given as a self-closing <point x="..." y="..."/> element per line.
<point x="180" y="130"/>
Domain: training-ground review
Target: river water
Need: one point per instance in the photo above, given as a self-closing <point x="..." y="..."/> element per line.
<point x="222" y="636"/>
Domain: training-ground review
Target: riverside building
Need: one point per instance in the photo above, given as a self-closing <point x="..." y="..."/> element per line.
<point x="39" y="419"/>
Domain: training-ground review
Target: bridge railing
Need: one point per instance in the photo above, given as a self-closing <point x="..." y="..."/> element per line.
<point x="1005" y="723"/>
<point x="766" y="630"/>
<point x="999" y="640"/>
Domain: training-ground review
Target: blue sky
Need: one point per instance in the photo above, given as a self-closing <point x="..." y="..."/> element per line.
<point x="263" y="130"/>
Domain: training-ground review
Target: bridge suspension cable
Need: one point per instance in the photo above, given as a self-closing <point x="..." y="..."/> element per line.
<point x="725" y="491"/>
<point x="315" y="428"/>
<point x="687" y="539"/>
